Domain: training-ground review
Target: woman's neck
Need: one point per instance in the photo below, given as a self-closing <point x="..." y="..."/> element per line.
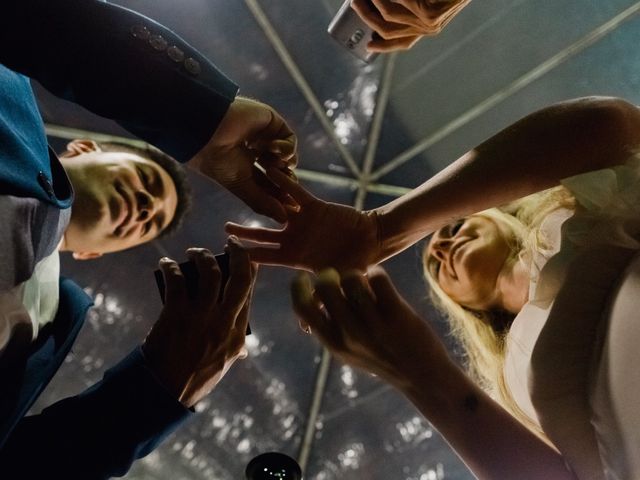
<point x="513" y="285"/>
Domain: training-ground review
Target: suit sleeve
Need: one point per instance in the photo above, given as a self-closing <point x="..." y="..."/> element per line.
<point x="99" y="433"/>
<point x="120" y="65"/>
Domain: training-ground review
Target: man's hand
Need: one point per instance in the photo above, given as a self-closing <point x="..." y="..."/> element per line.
<point x="250" y="132"/>
<point x="366" y="323"/>
<point x="195" y="341"/>
<point x="401" y="23"/>
<point x="317" y="234"/>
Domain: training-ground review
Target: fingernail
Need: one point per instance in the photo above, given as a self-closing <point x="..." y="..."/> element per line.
<point x="233" y="242"/>
<point x="164" y="260"/>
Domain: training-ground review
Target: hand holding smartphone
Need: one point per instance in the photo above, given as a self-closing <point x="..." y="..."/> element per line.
<point x="191" y="278"/>
<point x="348" y="29"/>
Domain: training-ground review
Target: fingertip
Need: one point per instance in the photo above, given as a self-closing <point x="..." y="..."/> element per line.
<point x="328" y="275"/>
<point x="292" y="207"/>
<point x="375" y="270"/>
<point x="353" y="273"/>
<point x="286" y="148"/>
<point x="233" y="246"/>
<point x="166" y="264"/>
<point x="380" y="282"/>
<point x="195" y="251"/>
<point x="300" y="285"/>
<point x="300" y="278"/>
<point x="377" y="275"/>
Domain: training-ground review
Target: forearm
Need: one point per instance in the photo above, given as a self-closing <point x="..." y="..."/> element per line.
<point x="99" y="433"/>
<point x="531" y="155"/>
<point x="492" y="443"/>
<point x="104" y="57"/>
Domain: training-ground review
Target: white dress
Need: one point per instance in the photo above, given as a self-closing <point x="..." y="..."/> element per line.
<point x="569" y="382"/>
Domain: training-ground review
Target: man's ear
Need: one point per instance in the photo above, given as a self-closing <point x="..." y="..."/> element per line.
<point x="85" y="255"/>
<point x="80" y="146"/>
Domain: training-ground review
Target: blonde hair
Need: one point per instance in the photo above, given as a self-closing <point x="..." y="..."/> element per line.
<point x="482" y="335"/>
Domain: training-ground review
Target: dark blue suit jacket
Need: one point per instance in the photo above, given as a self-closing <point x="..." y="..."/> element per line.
<point x="100" y="56"/>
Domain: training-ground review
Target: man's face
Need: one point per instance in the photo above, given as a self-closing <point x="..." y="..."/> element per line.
<point x="121" y="200"/>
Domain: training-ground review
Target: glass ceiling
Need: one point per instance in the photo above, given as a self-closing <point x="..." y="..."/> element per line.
<point x="366" y="134"/>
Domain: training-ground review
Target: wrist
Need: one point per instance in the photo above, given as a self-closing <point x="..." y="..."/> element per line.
<point x="163" y="375"/>
<point x="393" y="235"/>
<point x="438" y="389"/>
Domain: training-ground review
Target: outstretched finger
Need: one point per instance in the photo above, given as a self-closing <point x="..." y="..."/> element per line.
<point x="435" y="12"/>
<point x="254" y="234"/>
<point x="241" y="276"/>
<point x="269" y="187"/>
<point x="290" y="186"/>
<point x="309" y="311"/>
<point x="276" y="128"/>
<point x="259" y="200"/>
<point x="387" y="297"/>
<point x="175" y="288"/>
<point x="277" y="257"/>
<point x="285" y="149"/>
<point x="329" y="292"/>
<point x="208" y="274"/>
<point x="241" y="324"/>
<point x="359" y="296"/>
<point x="393" y="12"/>
<point x="242" y="321"/>
<point x="374" y="20"/>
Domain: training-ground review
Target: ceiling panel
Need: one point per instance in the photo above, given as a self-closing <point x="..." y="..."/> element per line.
<point x="364" y="430"/>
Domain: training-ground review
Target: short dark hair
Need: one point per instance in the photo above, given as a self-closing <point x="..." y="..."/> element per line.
<point x="170" y="165"/>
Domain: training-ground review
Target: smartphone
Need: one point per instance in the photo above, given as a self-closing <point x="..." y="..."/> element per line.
<point x="348" y="29"/>
<point x="190" y="273"/>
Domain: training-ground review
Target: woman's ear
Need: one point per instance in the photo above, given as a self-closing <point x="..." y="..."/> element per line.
<point x="85" y="255"/>
<point x="80" y="146"/>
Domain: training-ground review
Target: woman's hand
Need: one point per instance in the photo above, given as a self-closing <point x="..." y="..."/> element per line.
<point x="365" y="322"/>
<point x="196" y="340"/>
<point x="401" y="23"/>
<point x="316" y="235"/>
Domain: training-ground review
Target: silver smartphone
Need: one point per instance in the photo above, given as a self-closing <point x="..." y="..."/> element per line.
<point x="348" y="29"/>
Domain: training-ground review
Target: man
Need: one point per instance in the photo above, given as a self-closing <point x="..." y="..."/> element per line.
<point x="127" y="67"/>
<point x="124" y="196"/>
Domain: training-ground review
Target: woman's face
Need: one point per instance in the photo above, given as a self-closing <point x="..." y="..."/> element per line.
<point x="467" y="259"/>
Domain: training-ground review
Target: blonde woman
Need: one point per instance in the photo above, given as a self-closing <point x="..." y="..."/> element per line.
<point x="524" y="286"/>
